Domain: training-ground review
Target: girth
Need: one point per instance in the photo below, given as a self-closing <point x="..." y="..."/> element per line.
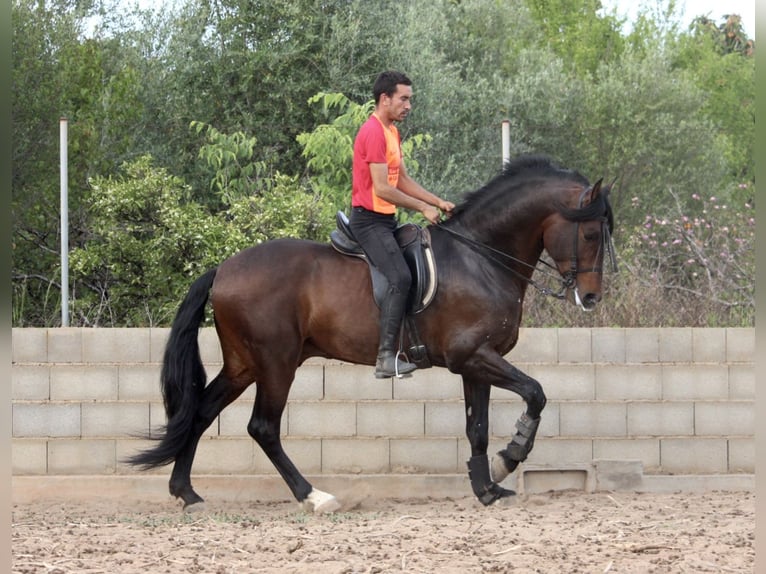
<point x="415" y="243"/>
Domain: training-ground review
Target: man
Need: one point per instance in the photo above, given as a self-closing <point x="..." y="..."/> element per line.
<point x="380" y="185"/>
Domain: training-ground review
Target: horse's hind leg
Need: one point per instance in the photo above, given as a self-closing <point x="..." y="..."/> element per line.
<point x="216" y="396"/>
<point x="264" y="427"/>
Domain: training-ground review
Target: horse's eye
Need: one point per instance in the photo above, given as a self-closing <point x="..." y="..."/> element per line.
<point x="592" y="236"/>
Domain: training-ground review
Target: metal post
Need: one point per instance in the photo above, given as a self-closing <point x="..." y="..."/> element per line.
<point x="506" y="141"/>
<point x="64" y="170"/>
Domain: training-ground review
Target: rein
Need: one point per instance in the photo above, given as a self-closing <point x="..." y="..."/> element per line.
<point x="494" y="253"/>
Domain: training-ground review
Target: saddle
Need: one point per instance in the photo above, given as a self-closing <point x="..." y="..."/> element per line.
<point x="415" y="243"/>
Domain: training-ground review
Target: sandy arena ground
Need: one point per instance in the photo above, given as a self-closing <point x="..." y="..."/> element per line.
<point x="557" y="532"/>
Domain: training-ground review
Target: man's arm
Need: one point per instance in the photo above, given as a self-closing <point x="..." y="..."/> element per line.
<point x="409" y="194"/>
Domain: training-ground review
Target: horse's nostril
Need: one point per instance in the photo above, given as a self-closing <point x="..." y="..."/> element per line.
<point x="591" y="299"/>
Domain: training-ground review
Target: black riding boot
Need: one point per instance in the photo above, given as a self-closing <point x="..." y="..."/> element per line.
<point x="391" y="315"/>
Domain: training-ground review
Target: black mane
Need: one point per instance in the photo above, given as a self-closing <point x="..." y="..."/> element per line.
<point x="514" y="175"/>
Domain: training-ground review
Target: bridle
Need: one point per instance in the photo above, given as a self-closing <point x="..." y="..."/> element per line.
<point x="567" y="279"/>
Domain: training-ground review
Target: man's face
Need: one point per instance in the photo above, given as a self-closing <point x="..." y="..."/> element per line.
<point x="398" y="105"/>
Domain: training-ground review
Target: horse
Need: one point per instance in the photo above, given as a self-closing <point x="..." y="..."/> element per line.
<point x="280" y="302"/>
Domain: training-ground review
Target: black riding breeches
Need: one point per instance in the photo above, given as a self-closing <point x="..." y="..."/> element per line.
<point x="375" y="233"/>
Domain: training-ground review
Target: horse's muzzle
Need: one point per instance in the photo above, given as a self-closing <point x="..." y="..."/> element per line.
<point x="588" y="301"/>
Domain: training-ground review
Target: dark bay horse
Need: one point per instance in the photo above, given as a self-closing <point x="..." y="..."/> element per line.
<point x="281" y="302"/>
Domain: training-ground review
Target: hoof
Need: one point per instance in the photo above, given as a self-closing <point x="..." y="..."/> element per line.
<point x="320" y="502"/>
<point x="195" y="507"/>
<point x="509" y="499"/>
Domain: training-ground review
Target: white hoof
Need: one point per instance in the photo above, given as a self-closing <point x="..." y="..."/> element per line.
<point x="320" y="502"/>
<point x="497" y="469"/>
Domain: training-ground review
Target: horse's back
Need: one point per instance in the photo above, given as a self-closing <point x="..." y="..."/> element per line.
<point x="289" y="290"/>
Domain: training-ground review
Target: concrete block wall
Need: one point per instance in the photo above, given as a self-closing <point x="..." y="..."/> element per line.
<point x="681" y="401"/>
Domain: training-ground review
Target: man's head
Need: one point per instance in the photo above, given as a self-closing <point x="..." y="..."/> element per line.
<point x="386" y="84"/>
<point x="393" y="95"/>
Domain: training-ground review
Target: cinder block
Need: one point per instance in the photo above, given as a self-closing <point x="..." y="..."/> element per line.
<point x="740" y="345"/>
<point x="139" y="382"/>
<point x="83" y="383"/>
<point x="308" y="383"/>
<point x="224" y="456"/>
<point x="661" y="419"/>
<point x="390" y="419"/>
<point x="709" y="345"/>
<point x="676" y="345"/>
<point x="557" y="452"/>
<point x="65" y="345"/>
<point x="503" y="416"/>
<point x="429" y="385"/>
<point x="29" y="456"/>
<point x="694" y="455"/>
<point x="30" y="382"/>
<point x="535" y="346"/>
<point x="355" y="456"/>
<point x="209" y="346"/>
<point x="566" y="382"/>
<point x="647" y="450"/>
<point x="81" y="457"/>
<point x="742" y="382"/>
<point x="29" y="345"/>
<point x="695" y="382"/>
<point x="642" y="345"/>
<point x="354" y="382"/>
<point x="117" y="345"/>
<point x="113" y="419"/>
<point x="742" y="455"/>
<point x="608" y="345"/>
<point x="46" y="420"/>
<point x="628" y="382"/>
<point x="618" y="474"/>
<point x="446" y="418"/>
<point x="424" y="456"/>
<point x="724" y="418"/>
<point x="574" y="345"/>
<point x="322" y="418"/>
<point x="129" y="447"/>
<point x="234" y="419"/>
<point x="158" y="338"/>
<point x="600" y="419"/>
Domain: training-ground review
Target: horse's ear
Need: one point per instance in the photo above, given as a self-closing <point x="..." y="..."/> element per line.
<point x="596" y="189"/>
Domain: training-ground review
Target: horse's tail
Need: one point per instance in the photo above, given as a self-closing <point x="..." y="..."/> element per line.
<point x="183" y="377"/>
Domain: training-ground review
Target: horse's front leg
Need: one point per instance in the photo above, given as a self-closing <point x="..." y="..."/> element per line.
<point x="498" y="372"/>
<point x="477" y="422"/>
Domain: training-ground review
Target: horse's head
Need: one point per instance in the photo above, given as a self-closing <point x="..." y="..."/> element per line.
<point x="577" y="237"/>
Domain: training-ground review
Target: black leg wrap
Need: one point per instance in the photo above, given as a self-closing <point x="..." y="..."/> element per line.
<point x="522" y="442"/>
<point x="485" y="490"/>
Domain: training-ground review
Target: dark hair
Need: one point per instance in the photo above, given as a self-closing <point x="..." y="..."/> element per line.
<point x="386" y="83"/>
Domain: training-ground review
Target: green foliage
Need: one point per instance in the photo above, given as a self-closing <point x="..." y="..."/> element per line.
<point x="665" y="113"/>
<point x="147" y="242"/>
<point x="575" y="32"/>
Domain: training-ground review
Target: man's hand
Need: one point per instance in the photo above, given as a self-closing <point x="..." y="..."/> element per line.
<point x="431" y="213"/>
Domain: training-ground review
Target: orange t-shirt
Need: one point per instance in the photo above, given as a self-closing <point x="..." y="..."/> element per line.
<point x="374" y="144"/>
